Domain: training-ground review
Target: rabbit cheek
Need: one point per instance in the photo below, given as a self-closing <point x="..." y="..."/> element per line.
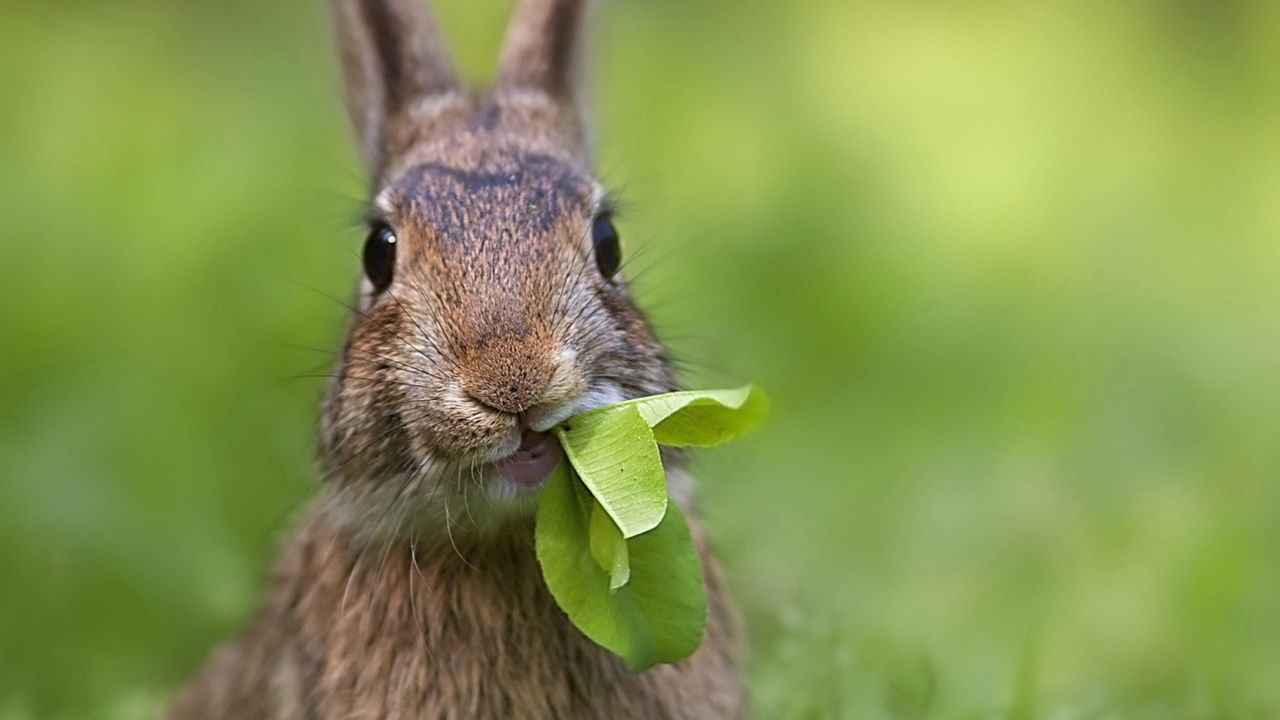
<point x="361" y="443"/>
<point x="463" y="430"/>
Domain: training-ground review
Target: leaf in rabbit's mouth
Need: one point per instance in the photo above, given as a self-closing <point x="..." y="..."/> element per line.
<point x="617" y="556"/>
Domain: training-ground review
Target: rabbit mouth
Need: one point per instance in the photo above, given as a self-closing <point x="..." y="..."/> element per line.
<point x="532" y="462"/>
<point x="526" y="468"/>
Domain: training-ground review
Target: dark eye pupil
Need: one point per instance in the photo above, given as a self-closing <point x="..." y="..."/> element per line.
<point x="604" y="238"/>
<point x="380" y="257"/>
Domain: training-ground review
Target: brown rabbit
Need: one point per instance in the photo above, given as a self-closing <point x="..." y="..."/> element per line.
<point x="491" y="309"/>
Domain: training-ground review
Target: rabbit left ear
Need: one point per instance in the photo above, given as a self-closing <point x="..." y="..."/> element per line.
<point x="542" y="46"/>
<point x="392" y="56"/>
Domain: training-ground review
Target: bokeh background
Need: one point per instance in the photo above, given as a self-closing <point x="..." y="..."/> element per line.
<point x="1008" y="269"/>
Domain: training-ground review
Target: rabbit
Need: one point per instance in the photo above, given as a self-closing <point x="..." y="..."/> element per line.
<point x="491" y="308"/>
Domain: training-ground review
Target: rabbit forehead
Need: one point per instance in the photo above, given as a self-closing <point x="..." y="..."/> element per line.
<point x="514" y="192"/>
<point x="498" y="237"/>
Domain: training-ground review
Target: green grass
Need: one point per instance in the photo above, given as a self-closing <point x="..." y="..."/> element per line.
<point x="1008" y="271"/>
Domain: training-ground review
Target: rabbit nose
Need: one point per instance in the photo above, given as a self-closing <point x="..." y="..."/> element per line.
<point x="508" y="381"/>
<point x="512" y="393"/>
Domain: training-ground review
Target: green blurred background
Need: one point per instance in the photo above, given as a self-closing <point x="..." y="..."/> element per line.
<point x="1009" y="270"/>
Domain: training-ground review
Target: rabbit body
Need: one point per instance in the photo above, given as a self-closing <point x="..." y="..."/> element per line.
<point x="492" y="310"/>
<point x="407" y="631"/>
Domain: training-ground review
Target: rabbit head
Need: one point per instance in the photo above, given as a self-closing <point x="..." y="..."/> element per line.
<point x="491" y="305"/>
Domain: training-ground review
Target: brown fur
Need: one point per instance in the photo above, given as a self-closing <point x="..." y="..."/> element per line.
<point x="414" y="631"/>
<point x="411" y="588"/>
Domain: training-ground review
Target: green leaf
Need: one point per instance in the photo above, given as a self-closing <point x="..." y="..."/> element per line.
<point x="696" y="417"/>
<point x="608" y="547"/>
<point x="616" y="555"/>
<point x="613" y="451"/>
<point x="659" y="616"/>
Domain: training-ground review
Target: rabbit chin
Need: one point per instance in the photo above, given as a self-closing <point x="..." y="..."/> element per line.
<point x="461" y="501"/>
<point x="464" y="505"/>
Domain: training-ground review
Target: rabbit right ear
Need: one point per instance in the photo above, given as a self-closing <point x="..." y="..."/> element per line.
<point x="540" y="52"/>
<point x="392" y="56"/>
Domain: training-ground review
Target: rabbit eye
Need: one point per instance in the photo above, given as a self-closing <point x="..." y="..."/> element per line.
<point x="380" y="256"/>
<point x="605" y="242"/>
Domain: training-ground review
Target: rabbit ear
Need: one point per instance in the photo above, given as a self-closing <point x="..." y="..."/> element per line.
<point x="392" y="56"/>
<point x="541" y="48"/>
